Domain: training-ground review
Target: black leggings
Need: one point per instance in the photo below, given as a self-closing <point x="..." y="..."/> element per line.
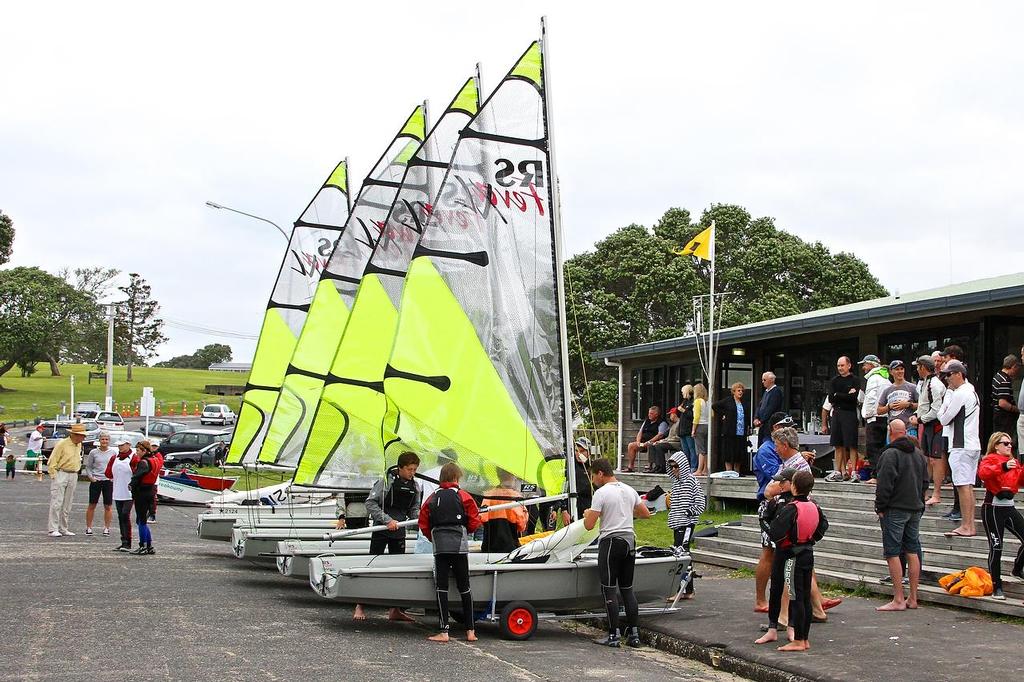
<point x="446" y="565"/>
<point x="800" y="572"/>
<point x="997" y="520"/>
<point x="124" y="520"/>
<point x="681" y="540"/>
<point x="144" y="498"/>
<point x="616" y="560"/>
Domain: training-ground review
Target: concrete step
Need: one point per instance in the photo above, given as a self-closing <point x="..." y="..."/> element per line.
<point x="858" y="541"/>
<point x="926" y="593"/>
<point x="868" y="568"/>
<point x="931" y="521"/>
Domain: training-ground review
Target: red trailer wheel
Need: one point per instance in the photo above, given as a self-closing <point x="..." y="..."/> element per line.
<point x="518" y="621"/>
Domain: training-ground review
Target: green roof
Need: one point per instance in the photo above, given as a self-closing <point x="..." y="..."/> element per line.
<point x="975" y="295"/>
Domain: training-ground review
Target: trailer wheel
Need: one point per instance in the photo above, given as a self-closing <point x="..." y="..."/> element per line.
<point x="518" y="621"/>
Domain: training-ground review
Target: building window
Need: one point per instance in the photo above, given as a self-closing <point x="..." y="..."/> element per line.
<point x="679" y="376"/>
<point x="648" y="389"/>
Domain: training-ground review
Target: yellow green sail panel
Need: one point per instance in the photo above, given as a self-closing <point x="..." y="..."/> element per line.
<point x="476" y="370"/>
<point x="344" y="445"/>
<point x="309" y="248"/>
<point x="310" y="361"/>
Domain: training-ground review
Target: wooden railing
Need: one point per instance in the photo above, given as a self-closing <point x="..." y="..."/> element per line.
<point x="603" y="442"/>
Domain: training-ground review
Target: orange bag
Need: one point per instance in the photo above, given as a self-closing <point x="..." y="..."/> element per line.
<point x="972" y="582"/>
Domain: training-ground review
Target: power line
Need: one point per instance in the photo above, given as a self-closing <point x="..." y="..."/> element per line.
<point x="210" y="331"/>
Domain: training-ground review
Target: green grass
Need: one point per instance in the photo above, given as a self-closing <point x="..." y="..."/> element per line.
<point x="655" y="531"/>
<point x="169" y="385"/>
<point x="247" y="480"/>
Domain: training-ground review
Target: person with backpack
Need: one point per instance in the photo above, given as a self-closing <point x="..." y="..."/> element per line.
<point x="447" y="518"/>
<point x="795" y="527"/>
<point x="393" y="499"/>
<point x="615" y="505"/>
<point x="143" y="487"/>
<point x="1002" y="475"/>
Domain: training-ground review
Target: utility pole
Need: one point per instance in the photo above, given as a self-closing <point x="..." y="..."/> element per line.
<point x="108" y="401"/>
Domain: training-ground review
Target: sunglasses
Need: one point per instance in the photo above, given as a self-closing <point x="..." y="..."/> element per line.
<point x="1004" y="442"/>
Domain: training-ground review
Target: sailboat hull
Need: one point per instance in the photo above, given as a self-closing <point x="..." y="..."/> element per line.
<point x="217" y="524"/>
<point x="562" y="587"/>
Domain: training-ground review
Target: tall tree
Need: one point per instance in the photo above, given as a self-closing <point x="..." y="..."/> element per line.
<point x="137" y="321"/>
<point x="632" y="288"/>
<point x="6" y="237"/>
<point x="88" y="343"/>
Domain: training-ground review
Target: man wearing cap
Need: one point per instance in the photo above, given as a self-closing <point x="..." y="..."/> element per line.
<point x="930" y="391"/>
<point x="64" y="463"/>
<point x="959" y="416"/>
<point x="899" y="399"/>
<point x="669" y="444"/>
<point x="1004" y="409"/>
<point x="877" y="378"/>
<point x="771" y="402"/>
<point x="842" y="397"/>
<point x="767" y="463"/>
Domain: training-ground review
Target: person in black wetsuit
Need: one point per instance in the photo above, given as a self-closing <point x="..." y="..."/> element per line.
<point x="393" y="499"/>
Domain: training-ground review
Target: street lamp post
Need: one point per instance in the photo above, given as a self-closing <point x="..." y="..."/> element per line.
<point x="212" y="204"/>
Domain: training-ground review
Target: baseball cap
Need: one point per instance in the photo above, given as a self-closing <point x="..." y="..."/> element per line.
<point x="954" y="366"/>
<point x="673" y="410"/>
<point x="785" y="475"/>
<point x="121" y="439"/>
<point x="925" y="360"/>
<point x="784" y="421"/>
<point x="869" y="358"/>
<point x="896" y="363"/>
<point x="583" y="442"/>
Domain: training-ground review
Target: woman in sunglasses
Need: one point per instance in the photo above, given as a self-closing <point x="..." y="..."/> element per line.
<point x="1002" y="475"/>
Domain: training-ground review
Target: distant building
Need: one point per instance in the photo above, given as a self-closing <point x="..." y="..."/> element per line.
<point x="240" y="367"/>
<point x="985" y="317"/>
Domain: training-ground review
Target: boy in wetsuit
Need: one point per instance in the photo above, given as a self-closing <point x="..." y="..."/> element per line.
<point x="615" y="504"/>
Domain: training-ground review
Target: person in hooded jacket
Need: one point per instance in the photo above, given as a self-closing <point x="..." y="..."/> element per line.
<point x="899" y="502"/>
<point x="143" y="487"/>
<point x="447" y="518"/>
<point x="687" y="504"/>
<point x="1002" y="476"/>
<point x="120" y="468"/>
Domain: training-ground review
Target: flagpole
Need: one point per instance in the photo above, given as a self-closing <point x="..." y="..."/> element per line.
<point x="712" y="355"/>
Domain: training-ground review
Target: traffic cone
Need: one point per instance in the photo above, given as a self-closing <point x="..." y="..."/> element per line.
<point x="197" y="410"/>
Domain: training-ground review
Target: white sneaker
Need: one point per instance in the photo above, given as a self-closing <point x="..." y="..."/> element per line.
<point x="67" y="532"/>
<point x="54" y="534"/>
<point x="106" y="531"/>
<point x="88" y="531"/>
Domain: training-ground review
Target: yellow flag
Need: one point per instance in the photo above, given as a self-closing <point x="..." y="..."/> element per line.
<point x="699" y="246"/>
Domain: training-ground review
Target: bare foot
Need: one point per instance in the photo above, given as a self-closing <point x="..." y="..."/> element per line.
<point x="911" y="604"/>
<point x="442" y="637"/>
<point x="932" y="501"/>
<point x="687" y="596"/>
<point x="794" y="646"/>
<point x="893" y="606"/>
<point x="790" y="634"/>
<point x="770" y="636"/>
<point x="400" y="615"/>
<point x="359" y="614"/>
<point x="760" y="608"/>
<point x="470" y="635"/>
<point x="964" y="531"/>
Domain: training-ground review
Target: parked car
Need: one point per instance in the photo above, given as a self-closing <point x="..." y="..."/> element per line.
<point x="54" y="431"/>
<point x="87" y="410"/>
<point x="165" y="429"/>
<point x="133" y="437"/>
<point x="192" y="440"/>
<point x="210" y="456"/>
<point x="217" y="414"/>
<point x="110" y="420"/>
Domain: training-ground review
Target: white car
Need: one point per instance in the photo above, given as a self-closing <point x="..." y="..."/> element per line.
<point x="217" y="414"/>
<point x="110" y="421"/>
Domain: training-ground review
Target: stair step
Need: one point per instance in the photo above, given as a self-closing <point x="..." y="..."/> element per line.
<point x="926" y="593"/>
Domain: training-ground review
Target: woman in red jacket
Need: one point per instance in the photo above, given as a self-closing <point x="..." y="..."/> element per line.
<point x="1002" y="475"/>
<point x="143" y="485"/>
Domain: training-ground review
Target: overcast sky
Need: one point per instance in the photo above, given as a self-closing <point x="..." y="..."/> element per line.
<point x="868" y="126"/>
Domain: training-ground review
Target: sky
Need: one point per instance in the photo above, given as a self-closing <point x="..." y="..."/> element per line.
<point x="875" y="128"/>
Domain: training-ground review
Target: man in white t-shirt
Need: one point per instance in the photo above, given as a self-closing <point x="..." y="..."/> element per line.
<point x="959" y="417"/>
<point x="615" y="505"/>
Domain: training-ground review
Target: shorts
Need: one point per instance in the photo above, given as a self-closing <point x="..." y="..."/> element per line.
<point x="932" y="442"/>
<point x="106" y="488"/>
<point x="844" y="429"/>
<point x="901" y="532"/>
<point x="963" y="465"/>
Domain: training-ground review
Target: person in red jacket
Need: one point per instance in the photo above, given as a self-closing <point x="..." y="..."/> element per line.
<point x="143" y="486"/>
<point x="1002" y="476"/>
<point x="119" y="470"/>
<point x="447" y="518"/>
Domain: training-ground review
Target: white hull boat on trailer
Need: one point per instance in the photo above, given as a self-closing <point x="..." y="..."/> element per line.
<point x="251" y="543"/>
<point x="216" y="524"/>
<point x="293" y="556"/>
<point x="179" y="493"/>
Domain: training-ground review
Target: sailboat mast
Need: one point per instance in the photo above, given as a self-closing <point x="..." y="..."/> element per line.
<point x="556" y="222"/>
<point x="348" y="184"/>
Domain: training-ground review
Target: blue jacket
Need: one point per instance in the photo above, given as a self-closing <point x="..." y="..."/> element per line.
<point x="766" y="464"/>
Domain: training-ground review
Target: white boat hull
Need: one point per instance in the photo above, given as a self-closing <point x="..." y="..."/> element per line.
<point x="174" y="492"/>
<point x="216" y="524"/>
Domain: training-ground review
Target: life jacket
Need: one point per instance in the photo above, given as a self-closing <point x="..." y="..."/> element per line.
<point x="806" y="523"/>
<point x="996" y="478"/>
<point x="447" y="509"/>
<point x="156" y="463"/>
<point x="399" y="497"/>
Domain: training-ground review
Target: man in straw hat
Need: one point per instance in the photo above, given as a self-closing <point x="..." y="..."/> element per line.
<point x="64" y="463"/>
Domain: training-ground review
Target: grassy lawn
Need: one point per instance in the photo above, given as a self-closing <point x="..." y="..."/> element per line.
<point x="247" y="480"/>
<point x="169" y="385"/>
<point x="655" y="531"/>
